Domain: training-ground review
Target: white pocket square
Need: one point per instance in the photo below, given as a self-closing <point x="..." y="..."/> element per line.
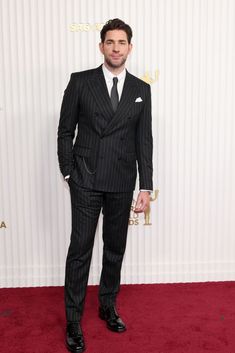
<point x="139" y="99"/>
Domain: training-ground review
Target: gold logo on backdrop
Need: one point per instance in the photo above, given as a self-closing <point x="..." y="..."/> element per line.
<point x="3" y="224"/>
<point x="85" y="27"/>
<point x="149" y="79"/>
<point x="134" y="217"/>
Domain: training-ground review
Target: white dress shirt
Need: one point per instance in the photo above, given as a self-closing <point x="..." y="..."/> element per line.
<point x="109" y="80"/>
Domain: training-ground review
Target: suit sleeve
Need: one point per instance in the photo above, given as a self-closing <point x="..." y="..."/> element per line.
<point x="67" y="126"/>
<point x="144" y="145"/>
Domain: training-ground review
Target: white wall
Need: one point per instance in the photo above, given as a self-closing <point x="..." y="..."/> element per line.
<point x="187" y="48"/>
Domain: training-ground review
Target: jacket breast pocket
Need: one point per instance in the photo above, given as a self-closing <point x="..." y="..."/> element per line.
<point x="137" y="108"/>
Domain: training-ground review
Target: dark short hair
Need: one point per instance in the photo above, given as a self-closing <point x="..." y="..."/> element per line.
<point x="116" y="23"/>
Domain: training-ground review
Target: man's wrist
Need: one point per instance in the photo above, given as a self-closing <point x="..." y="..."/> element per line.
<point x="149" y="191"/>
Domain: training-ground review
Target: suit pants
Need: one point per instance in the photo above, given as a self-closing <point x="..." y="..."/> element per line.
<point x="86" y="206"/>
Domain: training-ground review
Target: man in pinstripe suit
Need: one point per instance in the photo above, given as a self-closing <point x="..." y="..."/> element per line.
<point x="110" y="111"/>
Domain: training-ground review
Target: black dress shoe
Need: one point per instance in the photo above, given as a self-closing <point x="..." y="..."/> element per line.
<point x="74" y="338"/>
<point x="113" y="321"/>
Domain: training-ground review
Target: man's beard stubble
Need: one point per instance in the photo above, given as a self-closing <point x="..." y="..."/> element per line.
<point x="115" y="66"/>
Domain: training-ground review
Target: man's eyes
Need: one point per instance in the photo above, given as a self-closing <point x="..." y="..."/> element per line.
<point x="110" y="42"/>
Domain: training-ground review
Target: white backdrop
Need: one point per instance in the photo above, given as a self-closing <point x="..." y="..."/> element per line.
<point x="186" y="50"/>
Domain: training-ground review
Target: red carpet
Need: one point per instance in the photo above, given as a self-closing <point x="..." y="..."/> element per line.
<point x="161" y="318"/>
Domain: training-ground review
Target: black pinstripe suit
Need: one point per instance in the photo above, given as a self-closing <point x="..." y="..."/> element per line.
<point x="102" y="168"/>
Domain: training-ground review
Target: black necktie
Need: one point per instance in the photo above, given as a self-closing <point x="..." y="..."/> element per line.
<point x="114" y="94"/>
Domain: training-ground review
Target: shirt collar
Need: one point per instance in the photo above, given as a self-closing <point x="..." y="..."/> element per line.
<point x="109" y="75"/>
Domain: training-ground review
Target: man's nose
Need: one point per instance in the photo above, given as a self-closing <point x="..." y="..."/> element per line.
<point x="116" y="48"/>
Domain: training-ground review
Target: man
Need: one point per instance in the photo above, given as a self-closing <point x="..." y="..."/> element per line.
<point x="110" y="111"/>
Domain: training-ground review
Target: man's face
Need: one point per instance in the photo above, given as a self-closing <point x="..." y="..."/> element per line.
<point x="115" y="48"/>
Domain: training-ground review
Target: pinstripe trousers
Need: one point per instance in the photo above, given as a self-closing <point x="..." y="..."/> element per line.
<point x="86" y="207"/>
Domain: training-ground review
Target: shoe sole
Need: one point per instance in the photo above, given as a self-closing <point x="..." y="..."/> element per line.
<point x="109" y="327"/>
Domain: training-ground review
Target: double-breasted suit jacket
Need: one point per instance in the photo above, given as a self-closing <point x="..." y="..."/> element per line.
<point x="98" y="148"/>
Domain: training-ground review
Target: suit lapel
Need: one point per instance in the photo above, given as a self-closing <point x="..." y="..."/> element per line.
<point x="99" y="90"/>
<point x="127" y="99"/>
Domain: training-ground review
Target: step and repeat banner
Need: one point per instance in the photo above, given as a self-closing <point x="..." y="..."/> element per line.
<point x="185" y="50"/>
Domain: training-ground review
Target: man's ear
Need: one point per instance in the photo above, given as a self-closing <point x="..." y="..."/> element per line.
<point x="130" y="47"/>
<point x="101" y="46"/>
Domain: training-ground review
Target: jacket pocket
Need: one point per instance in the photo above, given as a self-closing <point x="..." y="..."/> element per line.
<point x="82" y="151"/>
<point x="131" y="156"/>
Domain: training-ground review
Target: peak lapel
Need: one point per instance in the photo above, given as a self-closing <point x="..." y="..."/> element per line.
<point x="99" y="90"/>
<point x="127" y="99"/>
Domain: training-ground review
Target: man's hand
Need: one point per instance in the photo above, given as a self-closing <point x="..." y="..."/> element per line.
<point x="143" y="201"/>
